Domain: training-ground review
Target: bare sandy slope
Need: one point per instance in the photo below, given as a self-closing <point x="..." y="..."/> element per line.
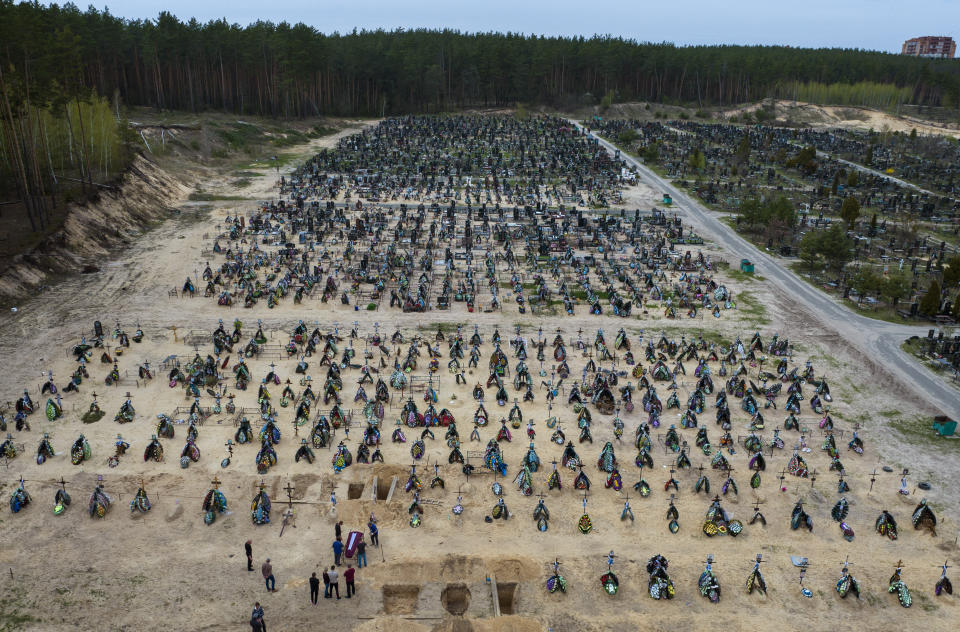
<point x="797" y="112"/>
<point x="168" y="570"/>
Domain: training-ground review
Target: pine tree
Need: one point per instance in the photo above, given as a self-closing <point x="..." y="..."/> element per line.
<point x="850" y="210"/>
<point x="930" y="303"/>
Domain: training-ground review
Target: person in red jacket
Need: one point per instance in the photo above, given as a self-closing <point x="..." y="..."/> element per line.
<point x="348" y="577"/>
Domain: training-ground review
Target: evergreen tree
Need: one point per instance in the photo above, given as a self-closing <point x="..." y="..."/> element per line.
<point x="850" y="210"/>
<point x="930" y="303"/>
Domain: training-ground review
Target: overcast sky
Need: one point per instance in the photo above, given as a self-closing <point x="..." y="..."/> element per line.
<point x="869" y="24"/>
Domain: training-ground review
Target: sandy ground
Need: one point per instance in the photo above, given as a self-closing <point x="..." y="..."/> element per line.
<point x="168" y="570"/>
<point x="811" y="114"/>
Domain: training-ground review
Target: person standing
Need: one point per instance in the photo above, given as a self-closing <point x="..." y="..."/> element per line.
<point x="338" y="530"/>
<point x="314" y="589"/>
<point x="348" y="577"/>
<point x="256" y="619"/>
<point x="337" y="551"/>
<point x="334" y="581"/>
<point x="248" y="548"/>
<point x="267" y="570"/>
<point x="361" y="554"/>
<point x="326" y="583"/>
<point x="374" y="532"/>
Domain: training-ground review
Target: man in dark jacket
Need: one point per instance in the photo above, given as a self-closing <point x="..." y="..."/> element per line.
<point x="314" y="589"/>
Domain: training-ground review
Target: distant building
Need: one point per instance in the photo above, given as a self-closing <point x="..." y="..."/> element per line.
<point x="930" y="46"/>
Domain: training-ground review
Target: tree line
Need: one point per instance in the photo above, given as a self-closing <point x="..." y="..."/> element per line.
<point x="279" y="69"/>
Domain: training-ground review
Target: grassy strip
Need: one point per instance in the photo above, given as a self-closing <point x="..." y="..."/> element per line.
<point x="752" y="309"/>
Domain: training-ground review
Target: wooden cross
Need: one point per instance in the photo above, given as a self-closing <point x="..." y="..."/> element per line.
<point x="813" y="477"/>
<point x="63" y="484"/>
<point x="263" y="484"/>
<point x="782" y="477"/>
<point x="289" y="489"/>
<point x="215" y="482"/>
<point x="873" y="478"/>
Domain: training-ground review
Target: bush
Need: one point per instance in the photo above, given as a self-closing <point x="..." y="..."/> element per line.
<point x="371" y="307"/>
<point x="831" y="245"/>
<point x="606" y="101"/>
<point x="651" y="153"/>
<point x="763" y="114"/>
<point x="628" y="136"/>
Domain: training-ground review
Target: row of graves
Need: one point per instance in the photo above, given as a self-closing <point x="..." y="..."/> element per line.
<point x="493" y="160"/>
<point x="542" y="424"/>
<point x="365" y="257"/>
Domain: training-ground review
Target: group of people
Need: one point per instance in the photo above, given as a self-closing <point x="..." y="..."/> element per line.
<point x="330" y="576"/>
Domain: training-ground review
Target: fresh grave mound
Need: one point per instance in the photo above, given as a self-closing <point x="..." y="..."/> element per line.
<point x="400" y="598"/>
<point x="455" y="598"/>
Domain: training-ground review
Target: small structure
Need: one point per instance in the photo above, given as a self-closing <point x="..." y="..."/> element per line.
<point x="944" y="426"/>
<point x="746" y="266"/>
